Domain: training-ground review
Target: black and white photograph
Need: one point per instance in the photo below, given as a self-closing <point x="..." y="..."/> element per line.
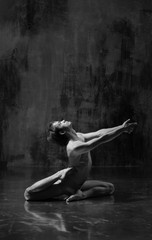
<point x="75" y="119"/>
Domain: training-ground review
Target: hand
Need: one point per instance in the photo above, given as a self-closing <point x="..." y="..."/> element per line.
<point x="63" y="173"/>
<point x="129" y="127"/>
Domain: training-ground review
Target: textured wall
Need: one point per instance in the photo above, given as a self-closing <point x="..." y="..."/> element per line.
<point x="88" y="61"/>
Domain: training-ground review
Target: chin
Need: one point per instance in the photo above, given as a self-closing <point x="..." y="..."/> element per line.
<point x="70" y="124"/>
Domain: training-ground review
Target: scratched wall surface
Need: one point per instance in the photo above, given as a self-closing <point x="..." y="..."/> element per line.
<point x="86" y="61"/>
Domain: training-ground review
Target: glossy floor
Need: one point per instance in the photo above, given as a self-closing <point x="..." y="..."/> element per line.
<point x="126" y="216"/>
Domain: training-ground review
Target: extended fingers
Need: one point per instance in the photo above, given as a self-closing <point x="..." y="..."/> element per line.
<point x="128" y="124"/>
<point x="131" y="127"/>
<point x="127" y="121"/>
<point x="132" y="124"/>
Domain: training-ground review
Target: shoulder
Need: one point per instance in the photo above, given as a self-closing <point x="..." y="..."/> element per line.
<point x="72" y="148"/>
<point x="81" y="136"/>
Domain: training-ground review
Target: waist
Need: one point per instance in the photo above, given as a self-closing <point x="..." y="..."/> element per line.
<point x="81" y="164"/>
<point x="75" y="177"/>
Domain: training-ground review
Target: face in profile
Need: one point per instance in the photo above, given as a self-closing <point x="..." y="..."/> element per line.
<point x="57" y="131"/>
<point x="62" y="124"/>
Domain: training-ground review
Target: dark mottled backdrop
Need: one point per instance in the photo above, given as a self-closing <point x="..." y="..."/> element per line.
<point x="88" y="61"/>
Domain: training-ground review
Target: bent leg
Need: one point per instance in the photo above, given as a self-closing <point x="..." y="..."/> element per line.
<point x="106" y="187"/>
<point x="47" y="188"/>
<point x="45" y="194"/>
<point x="92" y="188"/>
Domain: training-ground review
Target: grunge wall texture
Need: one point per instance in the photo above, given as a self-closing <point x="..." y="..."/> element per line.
<point x="88" y="61"/>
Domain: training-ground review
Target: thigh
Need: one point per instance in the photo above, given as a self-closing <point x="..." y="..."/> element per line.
<point x="95" y="183"/>
<point x="56" y="191"/>
<point x="45" y="194"/>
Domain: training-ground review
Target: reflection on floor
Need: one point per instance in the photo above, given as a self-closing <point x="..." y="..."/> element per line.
<point x="127" y="215"/>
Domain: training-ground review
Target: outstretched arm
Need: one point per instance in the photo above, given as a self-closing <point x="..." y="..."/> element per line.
<point x="80" y="147"/>
<point x="101" y="132"/>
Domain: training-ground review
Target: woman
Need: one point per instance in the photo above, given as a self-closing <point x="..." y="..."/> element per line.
<point x="71" y="183"/>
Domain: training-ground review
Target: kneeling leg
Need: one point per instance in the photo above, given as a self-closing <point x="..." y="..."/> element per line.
<point x="104" y="188"/>
<point x="47" y="187"/>
<point x="92" y="188"/>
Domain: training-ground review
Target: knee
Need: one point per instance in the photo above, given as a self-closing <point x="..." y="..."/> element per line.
<point x="27" y="194"/>
<point x="111" y="188"/>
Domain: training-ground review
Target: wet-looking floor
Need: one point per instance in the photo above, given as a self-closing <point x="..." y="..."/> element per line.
<point x="127" y="215"/>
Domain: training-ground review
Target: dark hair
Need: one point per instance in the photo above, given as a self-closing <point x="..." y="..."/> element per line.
<point x="54" y="134"/>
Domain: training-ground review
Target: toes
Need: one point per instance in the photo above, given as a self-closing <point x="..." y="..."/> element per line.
<point x="73" y="198"/>
<point x="70" y="199"/>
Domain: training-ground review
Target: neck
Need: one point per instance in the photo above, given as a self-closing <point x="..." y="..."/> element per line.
<point x="72" y="135"/>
